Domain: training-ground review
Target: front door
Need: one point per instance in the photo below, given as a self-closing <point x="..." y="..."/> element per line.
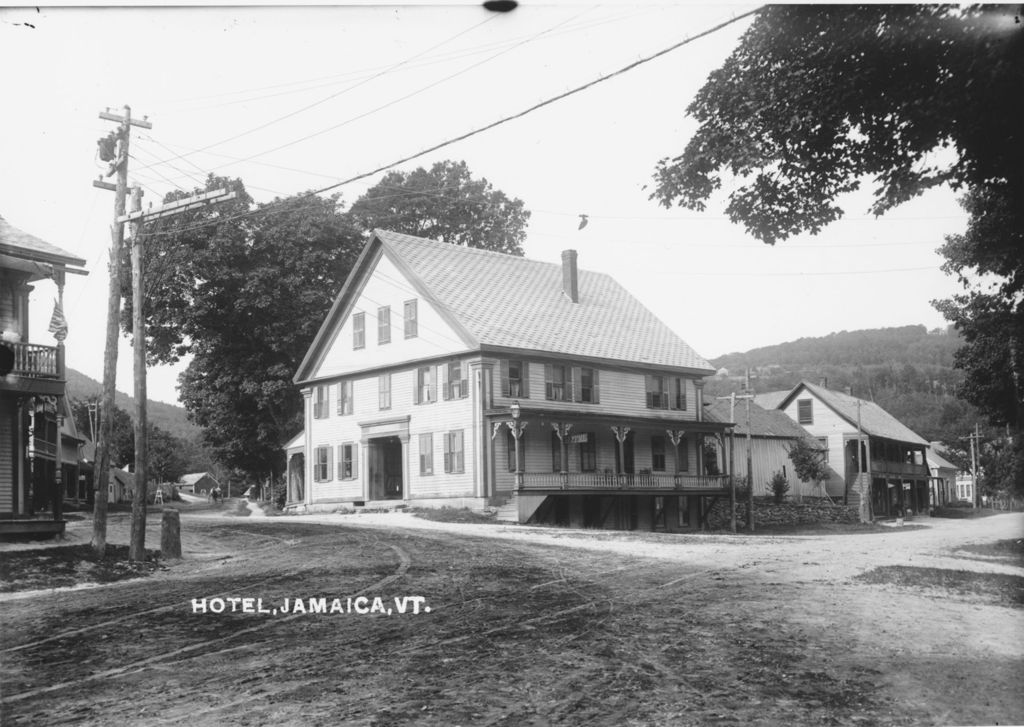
<point x="385" y="461"/>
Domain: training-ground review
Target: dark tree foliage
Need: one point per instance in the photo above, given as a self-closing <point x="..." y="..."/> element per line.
<point x="122" y="443"/>
<point x="444" y="204"/>
<point x="167" y="461"/>
<point x="817" y="97"/>
<point x="244" y="297"/>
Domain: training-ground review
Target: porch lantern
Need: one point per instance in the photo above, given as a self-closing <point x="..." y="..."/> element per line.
<point x="515" y="410"/>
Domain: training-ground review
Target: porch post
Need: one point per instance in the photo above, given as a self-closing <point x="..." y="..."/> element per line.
<point x="676" y="436"/>
<point x="307" y="408"/>
<point x="406" y="481"/>
<point x="562" y="429"/>
<point x="620" y="437"/>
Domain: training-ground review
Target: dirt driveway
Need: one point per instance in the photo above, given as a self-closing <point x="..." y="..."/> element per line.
<point x="528" y="627"/>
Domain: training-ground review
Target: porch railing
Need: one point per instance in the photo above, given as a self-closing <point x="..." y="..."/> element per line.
<point x="34" y="360"/>
<point x="611" y="481"/>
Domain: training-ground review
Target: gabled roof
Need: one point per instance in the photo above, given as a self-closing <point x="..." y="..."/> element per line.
<point x="500" y="301"/>
<point x="194" y="477"/>
<point x="763" y="422"/>
<point x="874" y="420"/>
<point x="937" y="460"/>
<point x="20" y="245"/>
<point x="771" y="399"/>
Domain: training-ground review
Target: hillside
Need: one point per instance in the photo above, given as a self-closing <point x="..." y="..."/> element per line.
<point x="908" y="371"/>
<point x="168" y="417"/>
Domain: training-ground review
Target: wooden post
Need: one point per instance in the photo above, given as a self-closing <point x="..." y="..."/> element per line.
<point x="137" y="544"/>
<point x="99" y="522"/>
<point x="170" y="534"/>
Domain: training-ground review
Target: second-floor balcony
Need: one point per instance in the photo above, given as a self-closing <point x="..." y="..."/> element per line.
<point x="33" y="360"/>
<point x="608" y="481"/>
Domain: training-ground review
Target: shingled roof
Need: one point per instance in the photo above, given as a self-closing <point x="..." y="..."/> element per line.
<point x="20" y="244"/>
<point x="504" y="301"/>
<point x="763" y="422"/>
<point x="874" y="420"/>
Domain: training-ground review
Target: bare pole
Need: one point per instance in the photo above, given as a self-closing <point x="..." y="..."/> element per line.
<point x="750" y="463"/>
<point x="137" y="544"/>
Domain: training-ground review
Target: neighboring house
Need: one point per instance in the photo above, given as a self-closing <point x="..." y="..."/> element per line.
<point x="446" y="375"/>
<point x="772" y="433"/>
<point x="296" y="468"/>
<point x="37" y="450"/>
<point x="120" y="486"/>
<point x="892" y="457"/>
<point x="943" y="474"/>
<point x="197" y="483"/>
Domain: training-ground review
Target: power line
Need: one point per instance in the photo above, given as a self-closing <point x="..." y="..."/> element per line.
<point x="501" y="121"/>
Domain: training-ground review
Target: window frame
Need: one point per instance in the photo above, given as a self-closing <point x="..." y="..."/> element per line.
<point x="451" y="453"/>
<point x="350" y="463"/>
<point x="383" y="325"/>
<point x="410" y="317"/>
<point x="384" y="391"/>
<point x="346" y="405"/>
<point x="426" y="454"/>
<point x="358" y="331"/>
<point x="801" y="416"/>
<point x="658" y="447"/>
<point x="322" y="401"/>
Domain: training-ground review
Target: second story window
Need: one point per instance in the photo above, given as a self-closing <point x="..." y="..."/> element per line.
<point x="804" y="411"/>
<point x="585" y="385"/>
<point x="321" y="402"/>
<point x="514" y="382"/>
<point x="345" y="397"/>
<point x="679" y="393"/>
<point x="411" y="319"/>
<point x="455" y="386"/>
<point x="359" y="330"/>
<point x="426" y="391"/>
<point x="384" y="391"/>
<point x="657" y="397"/>
<point x="384" y="324"/>
<point x="555" y="382"/>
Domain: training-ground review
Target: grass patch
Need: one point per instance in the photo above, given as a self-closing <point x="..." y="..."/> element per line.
<point x="1002" y="588"/>
<point x="454" y="515"/>
<point x="823" y="528"/>
<point x="1011" y="551"/>
<point x="70" y="565"/>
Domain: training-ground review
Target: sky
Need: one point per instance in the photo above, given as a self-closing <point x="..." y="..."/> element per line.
<point x="298" y="98"/>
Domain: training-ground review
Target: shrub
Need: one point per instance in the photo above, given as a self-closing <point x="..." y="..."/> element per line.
<point x="778" y="486"/>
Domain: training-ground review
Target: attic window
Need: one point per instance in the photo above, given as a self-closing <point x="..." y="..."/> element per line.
<point x="804" y="411"/>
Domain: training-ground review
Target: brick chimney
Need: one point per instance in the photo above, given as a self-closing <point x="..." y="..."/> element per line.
<point x="570" y="276"/>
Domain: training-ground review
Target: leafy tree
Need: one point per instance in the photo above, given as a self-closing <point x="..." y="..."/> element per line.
<point x="122" y="441"/>
<point x="166" y="456"/>
<point x="808" y="462"/>
<point x="243" y="290"/>
<point x="445" y="204"/>
<point x="817" y="97"/>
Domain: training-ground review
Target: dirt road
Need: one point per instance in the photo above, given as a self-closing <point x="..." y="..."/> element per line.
<point x="527" y="627"/>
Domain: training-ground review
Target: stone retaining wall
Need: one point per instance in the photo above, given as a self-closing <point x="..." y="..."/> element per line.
<point x="767" y="512"/>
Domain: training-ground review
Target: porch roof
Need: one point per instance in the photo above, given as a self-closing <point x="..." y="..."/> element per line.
<point x="652" y="420"/>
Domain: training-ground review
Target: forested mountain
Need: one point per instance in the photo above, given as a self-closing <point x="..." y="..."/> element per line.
<point x="908" y="371"/>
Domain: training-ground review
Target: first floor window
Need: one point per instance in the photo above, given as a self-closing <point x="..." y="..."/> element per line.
<point x="425" y="385"/>
<point x="322" y="464"/>
<point x="347" y="461"/>
<point x="345" y="397"/>
<point x="588" y="452"/>
<point x="510" y="444"/>
<point x="556" y="453"/>
<point x="658" y="453"/>
<point x="454" y="452"/>
<point x="320" y="402"/>
<point x="426" y="454"/>
<point x="384" y="391"/>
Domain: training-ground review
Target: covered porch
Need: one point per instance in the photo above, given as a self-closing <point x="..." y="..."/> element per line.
<point x="605" y="470"/>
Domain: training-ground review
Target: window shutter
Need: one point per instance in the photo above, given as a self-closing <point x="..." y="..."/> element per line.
<point x="595" y="397"/>
<point x="447" y="452"/>
<point x="330" y="464"/>
<point x="416" y="388"/>
<point x="355" y="456"/>
<point x="548" y="393"/>
<point x="648" y="388"/>
<point x="443" y="378"/>
<point x="505" y="388"/>
<point x="524" y="373"/>
<point x="577" y="384"/>
<point x="341" y="462"/>
<point x="434" y="376"/>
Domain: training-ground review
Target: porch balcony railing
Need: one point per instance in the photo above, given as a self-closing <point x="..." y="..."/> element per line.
<point x="611" y="481"/>
<point x="34" y="361"/>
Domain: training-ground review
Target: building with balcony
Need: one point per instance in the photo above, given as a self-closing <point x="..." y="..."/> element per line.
<point x="38" y="450"/>
<point x="446" y="375"/>
<point x="891" y="467"/>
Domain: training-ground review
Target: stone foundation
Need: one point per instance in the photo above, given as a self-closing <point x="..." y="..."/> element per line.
<point x="767" y="512"/>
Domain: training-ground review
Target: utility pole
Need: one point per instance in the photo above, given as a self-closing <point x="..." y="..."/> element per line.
<point x="975" y="446"/>
<point x="137" y="543"/>
<point x="863" y="488"/>
<point x="750" y="467"/>
<point x="113" y="149"/>
<point x="137" y="218"/>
